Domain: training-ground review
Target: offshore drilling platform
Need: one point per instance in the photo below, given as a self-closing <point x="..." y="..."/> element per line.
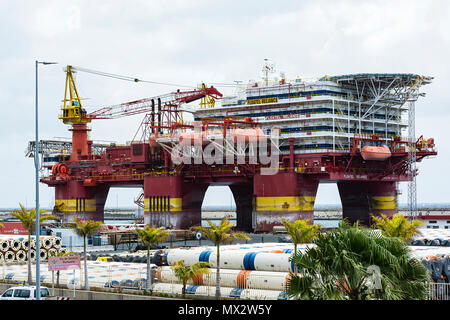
<point x="354" y="130"/>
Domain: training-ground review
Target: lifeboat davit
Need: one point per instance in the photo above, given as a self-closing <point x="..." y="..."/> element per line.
<point x="380" y="153"/>
<point x="153" y="143"/>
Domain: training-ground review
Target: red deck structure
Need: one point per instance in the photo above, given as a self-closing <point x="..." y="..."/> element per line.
<point x="173" y="194"/>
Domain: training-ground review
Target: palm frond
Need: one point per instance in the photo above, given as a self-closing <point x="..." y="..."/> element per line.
<point x="152" y="235"/>
<point x="337" y="267"/>
<point x="28" y="218"/>
<point x="86" y="228"/>
<point x="221" y="233"/>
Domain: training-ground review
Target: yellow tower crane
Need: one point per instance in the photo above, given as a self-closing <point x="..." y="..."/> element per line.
<point x="72" y="109"/>
<point x="206" y="101"/>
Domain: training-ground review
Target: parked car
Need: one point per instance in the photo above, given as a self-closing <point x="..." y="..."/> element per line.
<point x="105" y="259"/>
<point x="25" y="293"/>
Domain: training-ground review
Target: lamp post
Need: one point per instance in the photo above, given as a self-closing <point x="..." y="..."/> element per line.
<point x="36" y="165"/>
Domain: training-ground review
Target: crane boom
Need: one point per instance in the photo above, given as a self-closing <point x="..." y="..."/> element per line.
<point x="148" y="104"/>
<point x="74" y="113"/>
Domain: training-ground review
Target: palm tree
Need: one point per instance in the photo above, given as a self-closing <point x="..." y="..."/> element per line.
<point x="218" y="235"/>
<point x="28" y="220"/>
<point x="300" y="231"/>
<point x="151" y="235"/>
<point x="84" y="229"/>
<point x="186" y="273"/>
<point x="358" y="263"/>
<point x="398" y="226"/>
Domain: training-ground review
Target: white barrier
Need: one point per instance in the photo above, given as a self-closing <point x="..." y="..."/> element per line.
<point x="231" y="278"/>
<point x="225" y="292"/>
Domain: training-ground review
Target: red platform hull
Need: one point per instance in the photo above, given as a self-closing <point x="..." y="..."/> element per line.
<point x="173" y="195"/>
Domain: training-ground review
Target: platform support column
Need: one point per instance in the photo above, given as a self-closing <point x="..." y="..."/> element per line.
<point x="363" y="199"/>
<point x="172" y="202"/>
<point x="243" y="196"/>
<point x="284" y="195"/>
<point x="73" y="199"/>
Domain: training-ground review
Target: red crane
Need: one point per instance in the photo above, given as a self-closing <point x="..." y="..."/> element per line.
<point x="150" y="104"/>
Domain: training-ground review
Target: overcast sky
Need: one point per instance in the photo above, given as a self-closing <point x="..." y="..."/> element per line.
<point x="189" y="42"/>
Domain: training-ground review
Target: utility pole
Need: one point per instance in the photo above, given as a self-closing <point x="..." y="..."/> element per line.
<point x="36" y="165"/>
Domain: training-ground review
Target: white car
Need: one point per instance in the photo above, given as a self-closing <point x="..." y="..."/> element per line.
<point x="24" y="293"/>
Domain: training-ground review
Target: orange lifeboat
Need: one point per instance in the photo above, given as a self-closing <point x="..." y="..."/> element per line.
<point x="380" y="153"/>
<point x="192" y="138"/>
<point x="247" y="135"/>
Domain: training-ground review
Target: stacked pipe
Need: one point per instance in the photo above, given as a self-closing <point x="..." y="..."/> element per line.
<point x="263" y="257"/>
<point x="256" y="256"/>
<point x="266" y="266"/>
<point x="262" y="280"/>
<point x="136" y="257"/>
<point x="432" y="237"/>
<point x="14" y="248"/>
<point x="436" y="259"/>
<point x="248" y="271"/>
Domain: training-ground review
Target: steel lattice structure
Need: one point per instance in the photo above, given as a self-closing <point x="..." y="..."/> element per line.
<point x="385" y="91"/>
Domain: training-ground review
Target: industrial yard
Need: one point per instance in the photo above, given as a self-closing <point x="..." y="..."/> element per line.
<point x="256" y="270"/>
<point x="349" y="130"/>
<point x="354" y="130"/>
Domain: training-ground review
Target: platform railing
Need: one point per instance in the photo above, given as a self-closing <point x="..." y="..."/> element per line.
<point x="439" y="291"/>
